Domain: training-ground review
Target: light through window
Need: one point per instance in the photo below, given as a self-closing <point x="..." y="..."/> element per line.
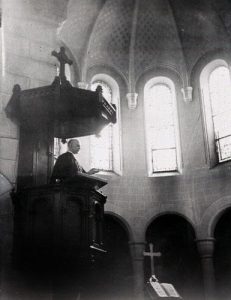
<point x="161" y="128"/>
<point x="101" y="154"/>
<point x="220" y="96"/>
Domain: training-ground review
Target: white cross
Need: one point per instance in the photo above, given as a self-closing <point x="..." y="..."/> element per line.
<point x="151" y="254"/>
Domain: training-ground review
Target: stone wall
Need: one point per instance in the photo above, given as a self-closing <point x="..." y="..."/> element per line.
<point x="198" y="191"/>
<point x="28" y="37"/>
<point x="193" y="193"/>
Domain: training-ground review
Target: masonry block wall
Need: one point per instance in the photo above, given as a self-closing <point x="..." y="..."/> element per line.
<point x="138" y="199"/>
<point x="28" y="37"/>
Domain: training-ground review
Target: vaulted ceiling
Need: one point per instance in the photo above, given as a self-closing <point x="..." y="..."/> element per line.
<point x="134" y="36"/>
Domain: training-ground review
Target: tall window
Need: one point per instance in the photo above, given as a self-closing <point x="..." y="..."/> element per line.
<point x="160" y="119"/>
<point x="215" y="81"/>
<point x="220" y="96"/>
<point x="103" y="151"/>
<point x="101" y="148"/>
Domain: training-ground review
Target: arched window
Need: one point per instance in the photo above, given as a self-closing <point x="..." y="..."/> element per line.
<point x="220" y="96"/>
<point x="101" y="147"/>
<point x="215" y="83"/>
<point x="105" y="149"/>
<point x="161" y="126"/>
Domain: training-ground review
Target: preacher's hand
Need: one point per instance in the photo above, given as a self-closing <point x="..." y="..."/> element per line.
<point x="93" y="171"/>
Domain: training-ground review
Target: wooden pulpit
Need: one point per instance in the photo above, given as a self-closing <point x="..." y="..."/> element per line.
<point x="63" y="221"/>
<point x="59" y="222"/>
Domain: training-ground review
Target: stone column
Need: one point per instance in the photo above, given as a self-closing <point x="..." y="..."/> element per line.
<point x="137" y="249"/>
<point x="206" y="248"/>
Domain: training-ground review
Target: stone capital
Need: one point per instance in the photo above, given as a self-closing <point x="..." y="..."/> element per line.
<point x="132" y="100"/>
<point x="187" y="94"/>
<point x="205" y="247"/>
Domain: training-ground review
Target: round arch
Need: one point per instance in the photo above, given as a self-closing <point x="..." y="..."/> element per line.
<point x="123" y="223"/>
<point x="204" y="60"/>
<point x="166" y="213"/>
<point x="221" y="256"/>
<point x="217" y="218"/>
<point x="109" y="71"/>
<point x="157" y="72"/>
<point x="117" y="262"/>
<point x="110" y="81"/>
<point x="211" y="217"/>
<point x="173" y="235"/>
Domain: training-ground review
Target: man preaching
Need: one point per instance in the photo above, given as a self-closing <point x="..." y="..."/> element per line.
<point x="67" y="166"/>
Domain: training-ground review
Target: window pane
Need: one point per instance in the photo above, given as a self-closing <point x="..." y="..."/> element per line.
<point x="163" y="138"/>
<point x="101" y="150"/>
<point x="164" y="160"/>
<point x="160" y="128"/>
<point x="59" y="148"/>
<point x="224" y="148"/>
<point x="101" y="147"/>
<point x="222" y="124"/>
<point x="220" y="90"/>
<point x="220" y="96"/>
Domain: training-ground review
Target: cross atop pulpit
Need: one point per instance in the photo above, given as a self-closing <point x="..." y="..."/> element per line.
<point x="63" y="59"/>
<point x="152" y="254"/>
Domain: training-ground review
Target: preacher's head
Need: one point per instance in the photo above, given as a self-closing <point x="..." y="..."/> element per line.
<point x="73" y="146"/>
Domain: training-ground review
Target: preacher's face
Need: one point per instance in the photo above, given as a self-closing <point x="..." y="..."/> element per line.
<point x="74" y="146"/>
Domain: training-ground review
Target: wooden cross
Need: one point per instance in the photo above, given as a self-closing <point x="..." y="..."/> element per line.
<point x="152" y="254"/>
<point x="63" y="59"/>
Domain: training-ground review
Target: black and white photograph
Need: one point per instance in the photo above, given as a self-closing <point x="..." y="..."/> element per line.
<point x="115" y="149"/>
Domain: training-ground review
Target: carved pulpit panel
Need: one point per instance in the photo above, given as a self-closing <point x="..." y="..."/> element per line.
<point x="40" y="214"/>
<point x="58" y="222"/>
<point x="71" y="227"/>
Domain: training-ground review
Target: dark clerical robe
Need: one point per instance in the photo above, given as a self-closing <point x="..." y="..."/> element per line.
<point x="65" y="167"/>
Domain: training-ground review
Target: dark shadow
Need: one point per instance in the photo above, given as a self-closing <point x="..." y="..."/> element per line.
<point x="222" y="259"/>
<point x="179" y="263"/>
<point x="113" y="275"/>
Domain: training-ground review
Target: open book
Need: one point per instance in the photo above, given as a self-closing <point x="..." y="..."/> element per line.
<point x="164" y="290"/>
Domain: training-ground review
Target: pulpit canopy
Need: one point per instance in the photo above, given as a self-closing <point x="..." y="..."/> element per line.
<point x="70" y="111"/>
